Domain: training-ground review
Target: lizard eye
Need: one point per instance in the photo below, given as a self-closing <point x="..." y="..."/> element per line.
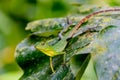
<point x="42" y="43"/>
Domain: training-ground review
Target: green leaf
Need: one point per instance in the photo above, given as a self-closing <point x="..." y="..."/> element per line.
<point x="107" y="61"/>
<point x="79" y="64"/>
<point x="90" y="72"/>
<point x="99" y="37"/>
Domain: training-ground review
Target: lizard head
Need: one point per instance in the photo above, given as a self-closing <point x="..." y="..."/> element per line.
<point x="46" y="49"/>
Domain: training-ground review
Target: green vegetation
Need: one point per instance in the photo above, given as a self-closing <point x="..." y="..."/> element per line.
<point x="16" y="14"/>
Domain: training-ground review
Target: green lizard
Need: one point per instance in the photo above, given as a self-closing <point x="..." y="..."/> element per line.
<point x="53" y="50"/>
<point x="57" y="49"/>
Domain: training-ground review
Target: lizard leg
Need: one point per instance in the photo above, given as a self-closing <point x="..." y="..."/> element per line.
<point x="64" y="58"/>
<point x="64" y="61"/>
<point x="66" y="28"/>
<point x="51" y="65"/>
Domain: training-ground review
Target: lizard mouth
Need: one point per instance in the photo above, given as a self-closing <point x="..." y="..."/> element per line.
<point x="48" y="52"/>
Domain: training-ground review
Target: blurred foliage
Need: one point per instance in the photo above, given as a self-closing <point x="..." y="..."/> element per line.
<point x="15" y="14"/>
<point x="113" y="2"/>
